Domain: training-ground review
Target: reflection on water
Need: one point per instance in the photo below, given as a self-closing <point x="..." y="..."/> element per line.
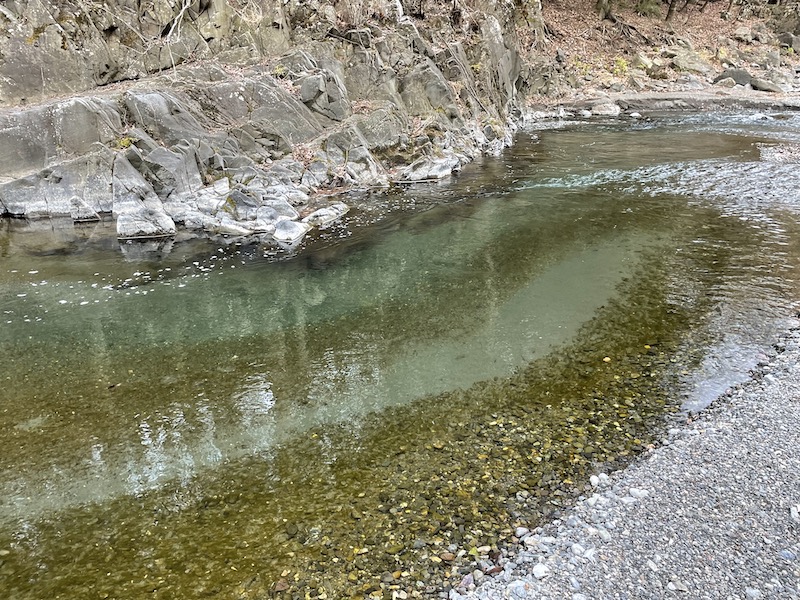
<point x="224" y="375"/>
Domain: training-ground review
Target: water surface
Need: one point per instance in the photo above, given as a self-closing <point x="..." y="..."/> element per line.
<point x="222" y="418"/>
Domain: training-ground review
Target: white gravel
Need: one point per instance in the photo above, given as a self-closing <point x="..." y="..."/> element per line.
<point x="714" y="513"/>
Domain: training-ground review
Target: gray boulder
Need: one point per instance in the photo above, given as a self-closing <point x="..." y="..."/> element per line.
<point x="743" y="34"/>
<point x="689" y="61"/>
<point x="137" y="208"/>
<point x="326" y="94"/>
<point x="726" y="82"/>
<point x="172" y="174"/>
<point x="764" y="85"/>
<point x="429" y="167"/>
<point x="606" y="108"/>
<point x="82" y="212"/>
<point x="165" y="116"/>
<point x="50" y="191"/>
<point x="740" y="76"/>
<point x="241" y="206"/>
<point x="789" y="40"/>
<point x="278" y="206"/>
<point x="327" y="214"/>
<point x="290" y="232"/>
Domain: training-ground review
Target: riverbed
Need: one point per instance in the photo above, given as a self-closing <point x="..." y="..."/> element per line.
<point x="374" y="412"/>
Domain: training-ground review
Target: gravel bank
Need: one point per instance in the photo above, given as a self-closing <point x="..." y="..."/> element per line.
<point x="710" y="514"/>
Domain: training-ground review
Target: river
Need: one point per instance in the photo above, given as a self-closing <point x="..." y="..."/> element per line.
<point x="228" y="419"/>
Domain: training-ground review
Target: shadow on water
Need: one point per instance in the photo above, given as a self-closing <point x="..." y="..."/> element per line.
<point x="372" y="414"/>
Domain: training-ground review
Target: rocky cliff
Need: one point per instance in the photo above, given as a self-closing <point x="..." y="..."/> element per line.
<point x="227" y="115"/>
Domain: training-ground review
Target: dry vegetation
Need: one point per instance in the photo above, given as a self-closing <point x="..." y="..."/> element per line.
<point x="576" y="28"/>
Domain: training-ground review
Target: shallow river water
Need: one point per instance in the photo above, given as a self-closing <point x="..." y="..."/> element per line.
<point x="373" y="413"/>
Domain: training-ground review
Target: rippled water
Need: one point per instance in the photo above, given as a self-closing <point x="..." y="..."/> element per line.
<point x="227" y="417"/>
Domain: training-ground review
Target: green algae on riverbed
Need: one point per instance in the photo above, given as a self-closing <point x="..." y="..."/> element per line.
<point x="393" y="497"/>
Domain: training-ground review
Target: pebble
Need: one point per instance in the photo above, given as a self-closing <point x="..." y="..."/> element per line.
<point x="531" y="541"/>
<point x="578" y="550"/>
<point x="521" y="532"/>
<point x="677" y="585"/>
<point x="540" y="571"/>
<point x="788" y="555"/>
<point x="518" y="590"/>
<point x="548" y="539"/>
<point x="713" y="536"/>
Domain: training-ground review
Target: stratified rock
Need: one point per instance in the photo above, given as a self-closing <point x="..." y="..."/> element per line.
<point x="280" y="207"/>
<point x="227" y="225"/>
<point x="326" y="94"/>
<point x="172" y="174"/>
<point x="82" y="212"/>
<point x="49" y="192"/>
<point x="137" y="208"/>
<point x="425" y="90"/>
<point x="383" y="129"/>
<point x="164" y="116"/>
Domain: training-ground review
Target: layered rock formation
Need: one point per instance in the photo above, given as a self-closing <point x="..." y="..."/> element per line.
<point x="227" y="116"/>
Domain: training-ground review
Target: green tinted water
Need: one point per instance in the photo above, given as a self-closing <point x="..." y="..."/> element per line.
<point x="229" y="421"/>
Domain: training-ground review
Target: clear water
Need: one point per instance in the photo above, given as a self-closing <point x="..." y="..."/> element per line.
<point x="226" y="418"/>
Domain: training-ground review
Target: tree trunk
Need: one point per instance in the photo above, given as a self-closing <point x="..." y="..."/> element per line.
<point x="671" y="10"/>
<point x="606" y="9"/>
<point x="414" y="8"/>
